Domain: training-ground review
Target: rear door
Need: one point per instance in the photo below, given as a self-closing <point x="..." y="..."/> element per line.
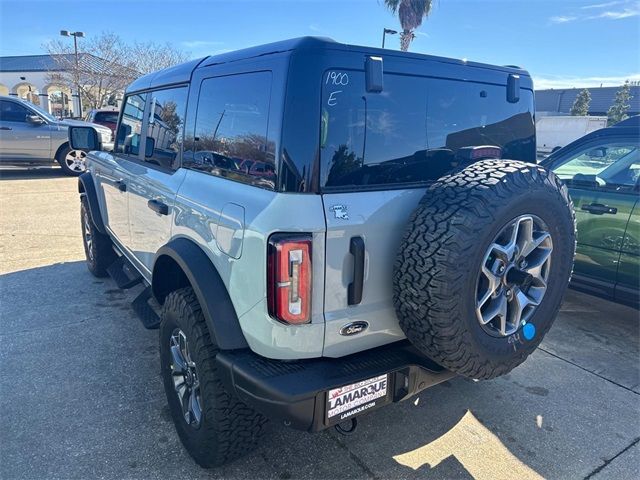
<point x="378" y="152"/>
<point x="156" y="176"/>
<point x="602" y="175"/>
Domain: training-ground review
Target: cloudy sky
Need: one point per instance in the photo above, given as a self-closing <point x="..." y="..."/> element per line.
<point x="563" y="43"/>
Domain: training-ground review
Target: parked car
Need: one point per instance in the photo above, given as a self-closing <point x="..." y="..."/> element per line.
<point x="602" y="170"/>
<point x="31" y="136"/>
<point x="387" y="250"/>
<point x="554" y="132"/>
<point x="107" y="117"/>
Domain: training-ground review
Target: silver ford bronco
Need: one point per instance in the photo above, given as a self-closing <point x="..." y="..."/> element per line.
<point x="322" y="229"/>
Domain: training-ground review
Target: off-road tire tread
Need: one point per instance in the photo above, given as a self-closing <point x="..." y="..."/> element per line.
<point x="103" y="255"/>
<point x="429" y="267"/>
<point x="234" y="428"/>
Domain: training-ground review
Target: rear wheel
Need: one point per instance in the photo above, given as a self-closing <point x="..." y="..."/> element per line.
<point x="73" y="162"/>
<point x="483" y="266"/>
<point x="214" y="426"/>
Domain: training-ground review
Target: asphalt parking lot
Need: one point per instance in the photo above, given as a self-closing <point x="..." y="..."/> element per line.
<point x="81" y="395"/>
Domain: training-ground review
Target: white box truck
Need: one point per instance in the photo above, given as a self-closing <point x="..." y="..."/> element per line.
<point x="554" y="132"/>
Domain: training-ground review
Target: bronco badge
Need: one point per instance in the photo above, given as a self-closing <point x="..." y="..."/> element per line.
<point x="354" y="328"/>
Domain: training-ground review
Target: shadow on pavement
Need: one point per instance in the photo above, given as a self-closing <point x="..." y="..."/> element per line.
<point x="82" y="397"/>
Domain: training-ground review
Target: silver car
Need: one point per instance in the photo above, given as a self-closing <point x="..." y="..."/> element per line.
<point x="32" y="136"/>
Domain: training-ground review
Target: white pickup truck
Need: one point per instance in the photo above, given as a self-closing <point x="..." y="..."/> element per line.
<point x="554" y="132"/>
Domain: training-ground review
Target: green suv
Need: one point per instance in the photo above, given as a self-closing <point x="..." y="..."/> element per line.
<point x="602" y="171"/>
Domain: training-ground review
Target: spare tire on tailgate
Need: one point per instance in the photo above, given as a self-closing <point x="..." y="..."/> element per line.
<point x="484" y="264"/>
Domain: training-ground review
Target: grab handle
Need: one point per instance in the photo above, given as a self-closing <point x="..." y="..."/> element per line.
<point x="354" y="293"/>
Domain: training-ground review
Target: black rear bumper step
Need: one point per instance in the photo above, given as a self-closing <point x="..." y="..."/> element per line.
<point x="295" y="392"/>
<point x="123" y="273"/>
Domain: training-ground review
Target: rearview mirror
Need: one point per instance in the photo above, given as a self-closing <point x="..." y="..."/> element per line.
<point x="84" y="138"/>
<point x="599" y="152"/>
<point x="35" y="119"/>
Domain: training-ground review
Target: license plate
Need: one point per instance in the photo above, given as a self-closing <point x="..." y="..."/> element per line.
<point x="350" y="400"/>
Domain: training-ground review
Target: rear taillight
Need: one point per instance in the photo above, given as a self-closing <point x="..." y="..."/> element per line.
<point x="289" y="277"/>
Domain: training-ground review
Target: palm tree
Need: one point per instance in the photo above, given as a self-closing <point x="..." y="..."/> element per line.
<point x="410" y="13"/>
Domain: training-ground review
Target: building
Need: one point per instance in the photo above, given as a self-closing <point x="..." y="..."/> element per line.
<point x="559" y="101"/>
<point x="30" y="77"/>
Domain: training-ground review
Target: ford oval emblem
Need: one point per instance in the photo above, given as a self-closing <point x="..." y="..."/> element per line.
<point x="354" y="328"/>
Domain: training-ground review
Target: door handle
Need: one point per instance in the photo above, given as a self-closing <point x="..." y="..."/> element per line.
<point x="6" y="128"/>
<point x="158" y="207"/>
<point x="354" y="292"/>
<point x="599" y="209"/>
<point x="121" y="186"/>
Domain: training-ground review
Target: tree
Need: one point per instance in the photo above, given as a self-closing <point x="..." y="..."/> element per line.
<point x="103" y="68"/>
<point x="581" y="104"/>
<point x="149" y="57"/>
<point x="106" y="65"/>
<point x="410" y="13"/>
<point x="621" y="104"/>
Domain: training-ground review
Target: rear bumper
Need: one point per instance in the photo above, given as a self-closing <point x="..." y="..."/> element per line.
<point x="295" y="392"/>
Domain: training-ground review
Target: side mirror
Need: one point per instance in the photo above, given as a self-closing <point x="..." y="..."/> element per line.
<point x="35" y="119"/>
<point x="84" y="138"/>
<point x="149" y="146"/>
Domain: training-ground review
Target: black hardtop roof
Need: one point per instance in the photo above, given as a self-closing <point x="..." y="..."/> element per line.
<point x="182" y="73"/>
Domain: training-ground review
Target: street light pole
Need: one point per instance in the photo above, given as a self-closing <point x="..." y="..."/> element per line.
<point x="384" y="33"/>
<point x="75" y="35"/>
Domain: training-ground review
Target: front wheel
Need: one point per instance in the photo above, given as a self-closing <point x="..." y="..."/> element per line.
<point x="98" y="248"/>
<point x="214" y="426"/>
<point x="73" y="162"/>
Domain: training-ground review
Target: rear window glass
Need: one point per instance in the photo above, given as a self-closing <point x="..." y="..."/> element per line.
<point x="231" y="130"/>
<point x="108" y="117"/>
<point x="411" y="132"/>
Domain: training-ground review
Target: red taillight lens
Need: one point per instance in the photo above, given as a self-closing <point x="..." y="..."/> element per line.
<point x="289" y="278"/>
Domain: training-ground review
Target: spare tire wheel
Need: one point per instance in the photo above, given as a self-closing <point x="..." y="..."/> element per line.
<point x="484" y="264"/>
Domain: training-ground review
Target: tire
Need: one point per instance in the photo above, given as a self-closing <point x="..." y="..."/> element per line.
<point x="72" y="161"/>
<point x="227" y="428"/>
<point x="455" y="235"/>
<point x="98" y="248"/>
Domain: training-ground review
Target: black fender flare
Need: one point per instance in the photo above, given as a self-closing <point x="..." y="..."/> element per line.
<point x="210" y="290"/>
<point x="87" y="188"/>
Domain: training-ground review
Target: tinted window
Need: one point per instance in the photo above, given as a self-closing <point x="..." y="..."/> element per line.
<point x="412" y="131"/>
<point x="108" y="117"/>
<point x="130" y="128"/>
<point x="612" y="165"/>
<point x="165" y="128"/>
<point x="13" y="112"/>
<point x="231" y="130"/>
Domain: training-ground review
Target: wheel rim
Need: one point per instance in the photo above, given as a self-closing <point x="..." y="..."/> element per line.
<point x="513" y="276"/>
<point x="185" y="379"/>
<point x="75" y="160"/>
<point x="88" y="239"/>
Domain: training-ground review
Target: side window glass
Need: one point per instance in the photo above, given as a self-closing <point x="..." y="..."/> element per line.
<point x="231" y="130"/>
<point x="609" y="166"/>
<point x="165" y="127"/>
<point x="130" y="127"/>
<point x="12" y="112"/>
